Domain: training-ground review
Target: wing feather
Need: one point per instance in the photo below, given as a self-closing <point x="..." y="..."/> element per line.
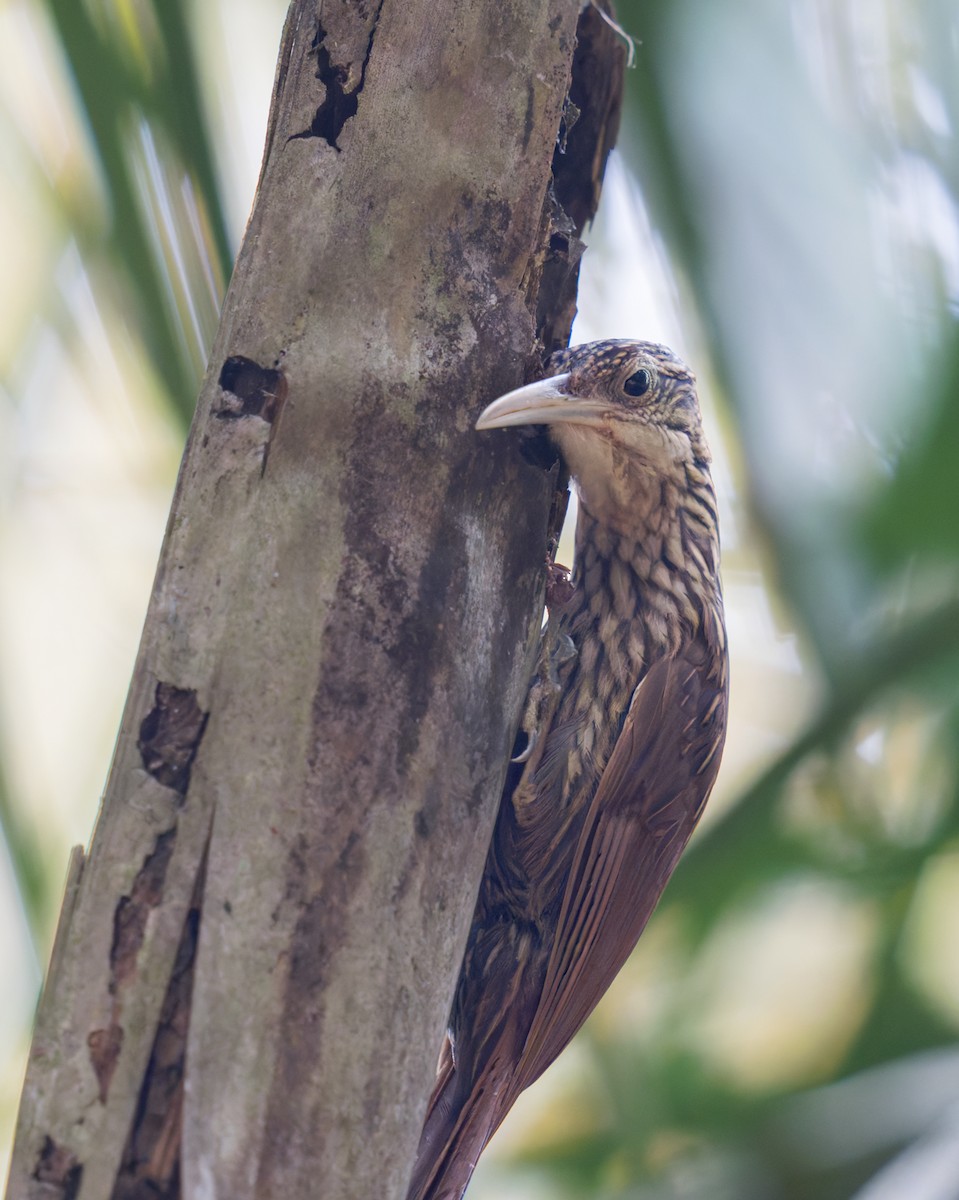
<point x="645" y="808"/>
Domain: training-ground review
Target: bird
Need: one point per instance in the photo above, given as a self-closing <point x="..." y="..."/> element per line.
<point x="625" y="726"/>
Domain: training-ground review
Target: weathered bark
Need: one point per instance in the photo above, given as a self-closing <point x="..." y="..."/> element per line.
<point x="255" y="961"/>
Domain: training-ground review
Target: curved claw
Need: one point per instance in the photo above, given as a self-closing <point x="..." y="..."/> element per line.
<point x="530" y="745"/>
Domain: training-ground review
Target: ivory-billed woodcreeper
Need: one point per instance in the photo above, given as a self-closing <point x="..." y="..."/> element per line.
<point x="628" y="719"/>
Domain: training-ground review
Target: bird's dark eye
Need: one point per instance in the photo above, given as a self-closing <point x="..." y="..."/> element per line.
<point x="638" y="384"/>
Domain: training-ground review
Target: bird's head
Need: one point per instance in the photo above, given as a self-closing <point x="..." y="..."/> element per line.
<point x="624" y="415"/>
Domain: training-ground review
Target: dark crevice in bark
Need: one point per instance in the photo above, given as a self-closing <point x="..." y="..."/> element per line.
<point x="150" y="1168"/>
<point x="587" y="134"/>
<point x="340" y="102"/>
<point x="57" y="1174"/>
<point x="129" y="929"/>
<point x="170" y="736"/>
<point x="105" y="1046"/>
<point x="556" y="298"/>
<point x="130" y="919"/>
<point x="257" y="391"/>
<point x="591" y="118"/>
<point x="250" y="390"/>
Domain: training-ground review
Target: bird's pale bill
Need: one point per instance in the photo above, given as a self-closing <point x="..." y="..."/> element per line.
<point x="541" y="403"/>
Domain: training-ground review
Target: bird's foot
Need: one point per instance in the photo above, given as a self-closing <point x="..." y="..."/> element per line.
<point x="556" y="651"/>
<point x="531" y="739"/>
<point x="559" y="651"/>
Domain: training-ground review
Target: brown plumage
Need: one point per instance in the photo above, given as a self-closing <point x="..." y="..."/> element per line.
<point x="626" y="729"/>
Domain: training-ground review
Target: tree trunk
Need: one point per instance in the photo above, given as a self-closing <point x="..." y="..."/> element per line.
<point x="255" y="961"/>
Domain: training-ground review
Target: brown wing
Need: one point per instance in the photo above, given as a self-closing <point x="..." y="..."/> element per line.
<point x="647" y="803"/>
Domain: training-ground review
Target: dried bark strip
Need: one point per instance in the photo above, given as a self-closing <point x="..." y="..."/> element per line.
<point x="129" y="927"/>
<point x="150" y="1168"/>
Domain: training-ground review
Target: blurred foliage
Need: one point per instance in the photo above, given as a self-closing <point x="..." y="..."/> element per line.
<point x="138" y="89"/>
<point x="799" y="165"/>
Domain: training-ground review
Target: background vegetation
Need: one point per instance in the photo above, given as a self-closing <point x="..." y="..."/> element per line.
<point x="785" y="210"/>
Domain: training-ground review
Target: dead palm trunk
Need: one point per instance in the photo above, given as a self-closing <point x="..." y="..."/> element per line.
<point x="255" y="958"/>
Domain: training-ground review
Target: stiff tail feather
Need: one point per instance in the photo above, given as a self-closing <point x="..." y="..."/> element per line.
<point x="460" y="1120"/>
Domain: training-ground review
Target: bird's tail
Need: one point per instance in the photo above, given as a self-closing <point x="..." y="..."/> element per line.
<point x="460" y="1120"/>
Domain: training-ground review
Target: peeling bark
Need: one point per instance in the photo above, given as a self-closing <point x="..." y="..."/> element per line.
<point x="150" y="1169"/>
<point x="129" y="928"/>
<point x="254" y="964"/>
